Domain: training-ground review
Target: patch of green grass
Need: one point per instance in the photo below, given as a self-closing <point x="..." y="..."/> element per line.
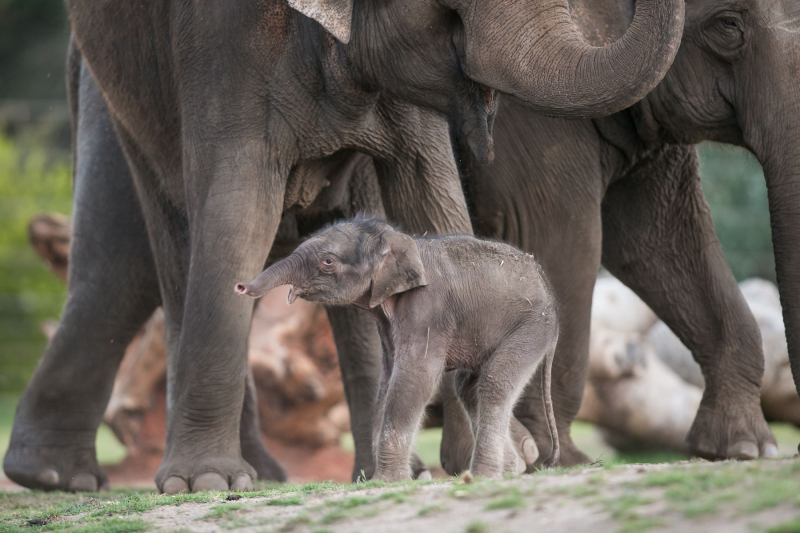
<point x="558" y="491"/>
<point x="294" y="499"/>
<point x="337" y="515"/>
<point x="792" y="526"/>
<point x="91" y="525"/>
<point x="482" y="488"/>
<point x="296" y="521"/>
<point x="646" y="457"/>
<point x="639" y="525"/>
<point x="476" y="527"/>
<point x="353" y="502"/>
<point x="222" y="511"/>
<point x="664" y="478"/>
<point x="701" y="491"/>
<point x="141" y="502"/>
<point x="773" y="493"/>
<point x="698" y="482"/>
<point x="583" y="491"/>
<point x="510" y="501"/>
<point x="624" y="507"/>
<point x="430" y="509"/>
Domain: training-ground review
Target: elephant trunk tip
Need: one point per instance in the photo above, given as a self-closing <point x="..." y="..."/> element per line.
<point x="242" y="290"/>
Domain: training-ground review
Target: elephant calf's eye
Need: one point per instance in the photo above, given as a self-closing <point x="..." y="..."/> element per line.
<point x="327" y="261"/>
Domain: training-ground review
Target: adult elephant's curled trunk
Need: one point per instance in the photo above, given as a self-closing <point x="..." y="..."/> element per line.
<point x="531" y="50"/>
<point x="283" y="272"/>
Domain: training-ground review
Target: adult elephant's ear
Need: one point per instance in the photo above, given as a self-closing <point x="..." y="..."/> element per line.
<point x="400" y="270"/>
<point x="334" y="15"/>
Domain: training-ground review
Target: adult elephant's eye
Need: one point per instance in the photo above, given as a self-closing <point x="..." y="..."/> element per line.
<point x="327" y="261"/>
<point x="730" y="23"/>
<point x="726" y="35"/>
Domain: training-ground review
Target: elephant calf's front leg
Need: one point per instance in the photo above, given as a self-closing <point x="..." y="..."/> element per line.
<point x="412" y="383"/>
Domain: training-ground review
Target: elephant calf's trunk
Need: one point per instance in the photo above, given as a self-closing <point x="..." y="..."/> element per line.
<point x="281" y="273"/>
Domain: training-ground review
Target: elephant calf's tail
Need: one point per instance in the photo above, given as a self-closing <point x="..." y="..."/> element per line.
<point x="547" y="398"/>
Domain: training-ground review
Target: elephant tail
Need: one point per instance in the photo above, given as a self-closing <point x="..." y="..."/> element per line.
<point x="547" y="399"/>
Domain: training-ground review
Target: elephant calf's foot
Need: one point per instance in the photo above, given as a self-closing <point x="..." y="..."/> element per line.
<point x="731" y="429"/>
<point x="64" y="467"/>
<point x="256" y="454"/>
<point x="195" y="473"/>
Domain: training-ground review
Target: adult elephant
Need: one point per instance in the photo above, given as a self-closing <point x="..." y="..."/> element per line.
<point x="625" y="191"/>
<point x="229" y="114"/>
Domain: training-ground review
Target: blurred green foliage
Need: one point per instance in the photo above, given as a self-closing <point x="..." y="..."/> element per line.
<point x="33" y="37"/>
<point x="733" y="182"/>
<point x="31" y="181"/>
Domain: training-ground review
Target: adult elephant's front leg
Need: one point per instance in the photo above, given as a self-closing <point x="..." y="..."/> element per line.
<point x="421" y="191"/>
<point x="660" y="241"/>
<point x="234" y="202"/>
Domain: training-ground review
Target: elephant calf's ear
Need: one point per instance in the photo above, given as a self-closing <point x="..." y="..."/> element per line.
<point x="400" y="271"/>
<point x="334" y="15"/>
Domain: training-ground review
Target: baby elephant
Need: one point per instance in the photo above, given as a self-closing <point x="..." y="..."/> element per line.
<point x="441" y="303"/>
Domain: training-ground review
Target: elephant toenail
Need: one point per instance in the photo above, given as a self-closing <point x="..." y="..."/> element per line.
<point x="705" y="450"/>
<point x="743" y="450"/>
<point x="48" y="478"/>
<point x="425" y="475"/>
<point x="529" y="451"/>
<point x="209" y="481"/>
<point x="242" y="482"/>
<point x="174" y="485"/>
<point x="83" y="482"/>
<point x="770" y="451"/>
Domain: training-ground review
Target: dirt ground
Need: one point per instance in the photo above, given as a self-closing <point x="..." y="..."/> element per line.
<point x="761" y="496"/>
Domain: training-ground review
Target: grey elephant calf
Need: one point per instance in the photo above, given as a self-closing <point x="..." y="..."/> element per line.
<point x="441" y="303"/>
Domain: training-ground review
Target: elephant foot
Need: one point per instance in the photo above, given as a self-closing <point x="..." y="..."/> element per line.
<point x="53" y="460"/>
<point x="419" y="470"/>
<point x="570" y="454"/>
<point x="521" y="450"/>
<point x="455" y="452"/>
<point x="731" y="428"/>
<point x="392" y="476"/>
<point x="363" y="469"/>
<point x="191" y="471"/>
<point x="53" y="448"/>
<point x="256" y="454"/>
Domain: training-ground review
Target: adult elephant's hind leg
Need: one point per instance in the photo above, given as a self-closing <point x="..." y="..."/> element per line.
<point x="359" y="347"/>
<point x="660" y="241"/>
<point x="112" y="291"/>
<point x="253" y="449"/>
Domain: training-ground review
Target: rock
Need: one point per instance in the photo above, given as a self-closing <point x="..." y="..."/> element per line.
<point x="616" y="307"/>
